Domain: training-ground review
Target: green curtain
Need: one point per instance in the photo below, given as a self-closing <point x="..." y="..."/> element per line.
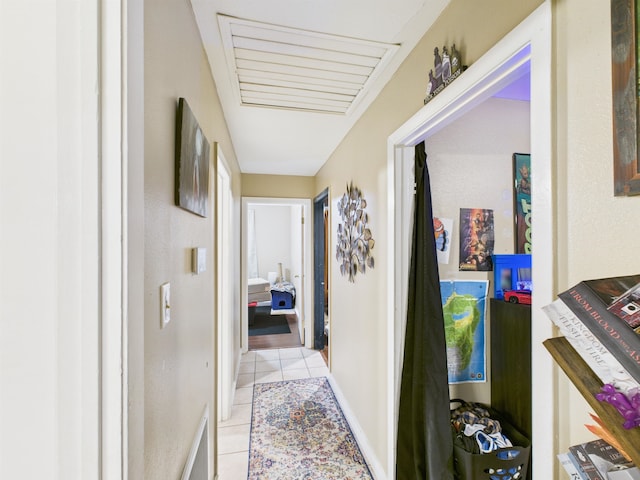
<point x="425" y="445"/>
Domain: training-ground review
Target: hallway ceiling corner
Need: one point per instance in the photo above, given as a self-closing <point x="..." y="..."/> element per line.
<point x="294" y="76"/>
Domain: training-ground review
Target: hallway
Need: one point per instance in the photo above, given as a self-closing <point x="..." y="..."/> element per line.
<point x="259" y="366"/>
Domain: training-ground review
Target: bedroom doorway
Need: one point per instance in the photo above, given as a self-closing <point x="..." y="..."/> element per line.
<point x="275" y="254"/>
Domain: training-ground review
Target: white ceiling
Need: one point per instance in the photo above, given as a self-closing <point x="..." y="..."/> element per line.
<point x="293" y="76"/>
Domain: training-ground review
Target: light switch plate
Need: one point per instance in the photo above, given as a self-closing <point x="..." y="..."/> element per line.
<point x="199" y="260"/>
<point x="165" y="304"/>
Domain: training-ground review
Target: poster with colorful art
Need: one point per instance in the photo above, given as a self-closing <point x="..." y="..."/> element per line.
<point x="476" y="239"/>
<point x="464" y="306"/>
<point x="443" y="229"/>
<point x="522" y="207"/>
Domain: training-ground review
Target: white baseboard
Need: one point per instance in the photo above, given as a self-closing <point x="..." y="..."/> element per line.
<point x="372" y="460"/>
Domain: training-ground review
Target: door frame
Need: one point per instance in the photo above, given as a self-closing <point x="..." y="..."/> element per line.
<point x="525" y="49"/>
<point x="318" y="267"/>
<point x="305" y="203"/>
<point x="226" y="380"/>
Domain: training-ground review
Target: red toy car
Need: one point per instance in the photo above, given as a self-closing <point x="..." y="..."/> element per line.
<point x="518" y="296"/>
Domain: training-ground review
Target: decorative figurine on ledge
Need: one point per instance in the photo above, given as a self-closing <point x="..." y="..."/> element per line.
<point x="628" y="405"/>
<point x="447" y="68"/>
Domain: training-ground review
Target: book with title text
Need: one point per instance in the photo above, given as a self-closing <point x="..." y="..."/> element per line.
<point x="597" y="460"/>
<point x="610" y="308"/>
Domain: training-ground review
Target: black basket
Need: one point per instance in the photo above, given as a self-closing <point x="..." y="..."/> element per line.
<point x="509" y="463"/>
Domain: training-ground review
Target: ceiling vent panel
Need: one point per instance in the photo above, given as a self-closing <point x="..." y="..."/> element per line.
<point x="280" y="67"/>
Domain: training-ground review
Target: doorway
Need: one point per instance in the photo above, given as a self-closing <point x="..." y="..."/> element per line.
<point x="275" y="250"/>
<point x="526" y="48"/>
<point x="321" y="325"/>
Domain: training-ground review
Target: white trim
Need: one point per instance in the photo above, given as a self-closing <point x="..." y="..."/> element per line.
<point x="113" y="262"/>
<point x="306" y="204"/>
<point x="528" y="44"/>
<point x="195" y="445"/>
<point x="370" y="457"/>
<point x="224" y="294"/>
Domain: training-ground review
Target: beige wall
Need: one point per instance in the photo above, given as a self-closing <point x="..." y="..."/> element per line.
<point x="597" y="232"/>
<point x="179" y="359"/>
<point x="358" y="311"/>
<point x="277" y="186"/>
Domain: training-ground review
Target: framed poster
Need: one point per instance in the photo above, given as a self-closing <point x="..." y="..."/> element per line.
<point x="522" y="202"/>
<point x="476" y="239"/>
<point x="625" y="76"/>
<point x="192" y="162"/>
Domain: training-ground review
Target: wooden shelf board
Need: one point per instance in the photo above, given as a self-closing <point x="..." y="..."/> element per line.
<point x="588" y="384"/>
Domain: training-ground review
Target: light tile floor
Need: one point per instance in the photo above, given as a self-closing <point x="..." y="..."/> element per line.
<point x="259" y="366"/>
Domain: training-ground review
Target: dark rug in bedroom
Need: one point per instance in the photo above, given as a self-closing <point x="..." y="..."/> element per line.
<point x="266" y="324"/>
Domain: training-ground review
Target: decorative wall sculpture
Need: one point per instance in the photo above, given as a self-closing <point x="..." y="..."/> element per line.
<point x="447" y="66"/>
<point x="355" y="241"/>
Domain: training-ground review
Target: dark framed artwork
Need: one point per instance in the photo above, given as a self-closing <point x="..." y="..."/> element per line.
<point x="476" y="239"/>
<point x="625" y="77"/>
<point x="192" y="162"/>
<point x="522" y="202"/>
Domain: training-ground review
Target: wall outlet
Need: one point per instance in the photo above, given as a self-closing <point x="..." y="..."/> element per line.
<point x="165" y="304"/>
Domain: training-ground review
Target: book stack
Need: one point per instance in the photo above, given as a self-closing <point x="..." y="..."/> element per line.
<point x="597" y="460"/>
<point x="601" y="320"/>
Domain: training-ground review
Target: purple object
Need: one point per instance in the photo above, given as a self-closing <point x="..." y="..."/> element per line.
<point x="629" y="408"/>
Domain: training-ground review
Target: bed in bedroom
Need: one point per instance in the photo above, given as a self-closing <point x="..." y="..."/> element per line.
<point x="259" y="295"/>
<point x="259" y="290"/>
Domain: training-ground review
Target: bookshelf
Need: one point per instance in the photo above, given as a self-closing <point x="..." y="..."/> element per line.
<point x="588" y="384"/>
<point x="511" y="387"/>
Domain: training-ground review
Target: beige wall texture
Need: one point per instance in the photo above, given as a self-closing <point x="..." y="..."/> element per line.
<point x="277" y="186"/>
<point x="179" y="368"/>
<point x="358" y="310"/>
<point x="597" y="232"/>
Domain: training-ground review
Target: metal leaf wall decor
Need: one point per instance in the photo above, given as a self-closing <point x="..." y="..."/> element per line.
<point x="355" y="242"/>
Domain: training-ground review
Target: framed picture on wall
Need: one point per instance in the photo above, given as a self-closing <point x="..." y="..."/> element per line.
<point x="625" y="76"/>
<point x="522" y="201"/>
<point x="192" y="157"/>
<point x="476" y="239"/>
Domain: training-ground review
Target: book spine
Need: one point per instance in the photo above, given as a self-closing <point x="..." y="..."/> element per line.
<point x="569" y="464"/>
<point x="612" y="331"/>
<point x="584" y="463"/>
<point x="603" y="363"/>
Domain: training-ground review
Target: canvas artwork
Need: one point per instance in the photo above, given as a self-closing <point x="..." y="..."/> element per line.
<point x="476" y="239"/>
<point x="522" y="207"/>
<point x="464" y="308"/>
<point x="443" y="229"/>
<point x="192" y="162"/>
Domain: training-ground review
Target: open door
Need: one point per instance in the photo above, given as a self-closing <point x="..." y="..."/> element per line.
<point x="320" y="271"/>
<point x="297" y="263"/>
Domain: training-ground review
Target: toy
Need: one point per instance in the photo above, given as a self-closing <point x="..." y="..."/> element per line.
<point x="511" y="272"/>
<point x="518" y="296"/>
<point x="628" y="405"/>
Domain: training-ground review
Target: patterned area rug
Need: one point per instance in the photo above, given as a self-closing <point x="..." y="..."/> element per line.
<point x="299" y="432"/>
